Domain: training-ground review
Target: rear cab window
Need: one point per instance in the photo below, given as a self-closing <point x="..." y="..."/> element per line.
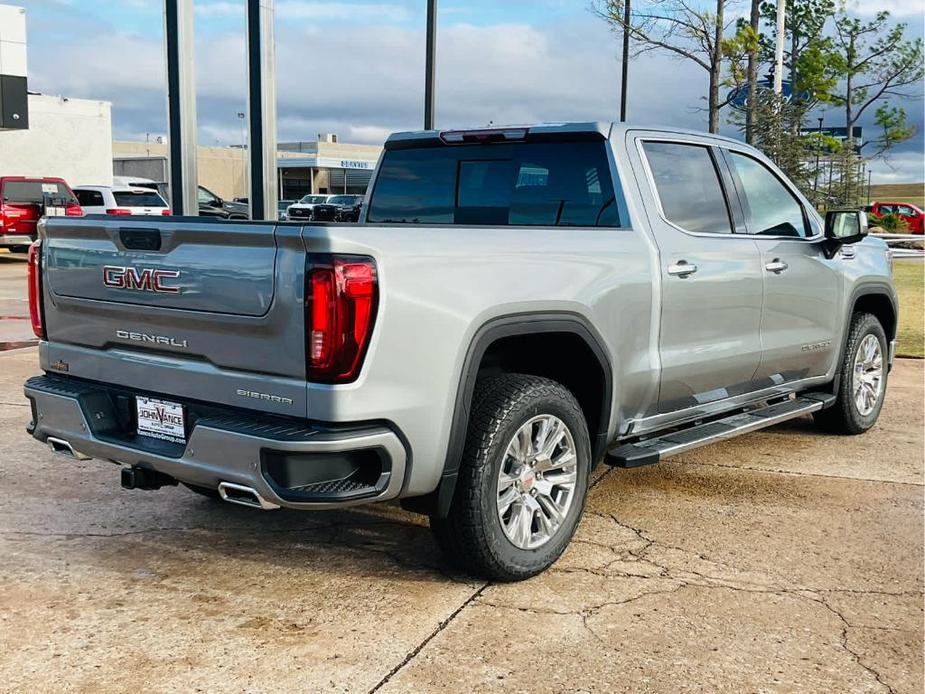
<point x="33" y="191"/>
<point x="522" y="183"/>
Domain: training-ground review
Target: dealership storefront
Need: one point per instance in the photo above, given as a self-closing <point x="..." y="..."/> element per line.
<point x="300" y="176"/>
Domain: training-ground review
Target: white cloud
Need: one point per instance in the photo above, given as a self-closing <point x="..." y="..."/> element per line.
<point x="900" y="167"/>
<point x="364" y="81"/>
<point x="897" y="8"/>
<point x="288" y="10"/>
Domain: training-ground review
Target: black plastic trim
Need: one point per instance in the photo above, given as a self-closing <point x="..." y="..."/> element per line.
<point x="493" y="330"/>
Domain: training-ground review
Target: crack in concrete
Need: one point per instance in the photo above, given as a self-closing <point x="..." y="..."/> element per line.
<point x="854" y="654"/>
<point x="440" y="627"/>
<point x="711" y="582"/>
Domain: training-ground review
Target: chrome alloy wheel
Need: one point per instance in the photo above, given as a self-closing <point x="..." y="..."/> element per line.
<point x="536" y="483"/>
<point x="868" y="375"/>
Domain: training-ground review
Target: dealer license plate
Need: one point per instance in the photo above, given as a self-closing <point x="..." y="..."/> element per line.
<point x="160" y="419"/>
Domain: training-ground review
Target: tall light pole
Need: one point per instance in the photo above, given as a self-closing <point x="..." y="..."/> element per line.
<point x="626" y="59"/>
<point x="262" y="194"/>
<point x="430" y="60"/>
<point x="779" y="48"/>
<point x="182" y="174"/>
<point x="818" y="148"/>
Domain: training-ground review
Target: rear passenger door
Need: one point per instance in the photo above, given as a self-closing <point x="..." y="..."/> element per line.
<point x="711" y="276"/>
<point x="801" y="320"/>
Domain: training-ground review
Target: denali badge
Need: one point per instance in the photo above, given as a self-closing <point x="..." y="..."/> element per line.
<point x="241" y="392"/>
<point x="144" y="280"/>
<point x="152" y="339"/>
<point x="813" y="346"/>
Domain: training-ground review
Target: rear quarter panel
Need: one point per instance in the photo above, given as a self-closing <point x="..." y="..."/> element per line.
<point x="439" y="285"/>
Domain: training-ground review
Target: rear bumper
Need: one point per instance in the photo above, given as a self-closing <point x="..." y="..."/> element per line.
<point x="7" y="240"/>
<point x="232" y="447"/>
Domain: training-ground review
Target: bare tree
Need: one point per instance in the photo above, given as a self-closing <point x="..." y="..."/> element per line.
<point x="681" y="29"/>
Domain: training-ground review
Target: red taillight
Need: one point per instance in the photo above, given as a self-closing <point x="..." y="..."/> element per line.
<point x="341" y="294"/>
<point x="35" y="289"/>
<point x="118" y="211"/>
<point x="165" y="211"/>
<point x="73" y="210"/>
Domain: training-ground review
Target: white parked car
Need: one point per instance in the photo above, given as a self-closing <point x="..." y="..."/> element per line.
<point x="302" y="210"/>
<point x="121" y="200"/>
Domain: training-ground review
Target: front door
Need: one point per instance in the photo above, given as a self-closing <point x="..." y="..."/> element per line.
<point x="711" y="279"/>
<point x="801" y="320"/>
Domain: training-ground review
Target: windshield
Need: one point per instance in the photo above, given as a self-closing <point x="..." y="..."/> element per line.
<point x="345" y="200"/>
<point x="313" y="199"/>
<point x="533" y="184"/>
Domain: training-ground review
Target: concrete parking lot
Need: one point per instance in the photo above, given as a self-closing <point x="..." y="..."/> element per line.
<point x="782" y="561"/>
<point x="15" y="329"/>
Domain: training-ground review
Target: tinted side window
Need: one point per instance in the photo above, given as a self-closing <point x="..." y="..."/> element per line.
<point x="530" y="184"/>
<point x="89" y="198"/>
<point x="770" y="209"/>
<point x="688" y="186"/>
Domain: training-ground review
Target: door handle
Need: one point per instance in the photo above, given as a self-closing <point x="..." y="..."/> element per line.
<point x="682" y="269"/>
<point x="776" y="266"/>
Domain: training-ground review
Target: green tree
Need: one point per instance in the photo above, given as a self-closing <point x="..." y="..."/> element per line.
<point x="875" y="62"/>
<point x="804" y="22"/>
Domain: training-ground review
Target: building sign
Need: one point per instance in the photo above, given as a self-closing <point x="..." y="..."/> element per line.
<point x="325" y="163"/>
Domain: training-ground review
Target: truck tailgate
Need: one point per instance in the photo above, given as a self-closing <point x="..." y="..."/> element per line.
<point x="217" y="301"/>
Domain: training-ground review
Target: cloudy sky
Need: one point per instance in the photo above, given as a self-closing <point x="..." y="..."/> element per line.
<point x="355" y="67"/>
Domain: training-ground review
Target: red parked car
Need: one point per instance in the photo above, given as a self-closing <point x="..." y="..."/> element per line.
<point x="23" y="201"/>
<point x="912" y="215"/>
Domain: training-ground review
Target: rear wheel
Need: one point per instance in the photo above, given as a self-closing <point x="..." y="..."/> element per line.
<point x="522" y="481"/>
<point x="862" y="386"/>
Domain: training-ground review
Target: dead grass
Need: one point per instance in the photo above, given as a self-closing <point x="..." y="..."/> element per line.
<point x="899" y="192"/>
<point x="910" y="283"/>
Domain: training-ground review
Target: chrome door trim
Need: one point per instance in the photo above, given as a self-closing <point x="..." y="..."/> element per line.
<point x="645" y="425"/>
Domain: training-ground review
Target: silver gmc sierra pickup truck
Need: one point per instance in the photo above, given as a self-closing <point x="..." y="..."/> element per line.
<point x="515" y="306"/>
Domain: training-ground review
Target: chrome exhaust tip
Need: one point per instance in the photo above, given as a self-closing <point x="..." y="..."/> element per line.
<point x="62" y="447"/>
<point x="245" y="496"/>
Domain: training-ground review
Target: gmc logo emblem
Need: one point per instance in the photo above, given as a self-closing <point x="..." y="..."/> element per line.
<point x="145" y="280"/>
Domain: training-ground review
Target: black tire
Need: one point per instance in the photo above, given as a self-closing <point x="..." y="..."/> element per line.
<point x="844" y="417"/>
<point x="204" y="491"/>
<point x="471" y="536"/>
<point x="19" y="249"/>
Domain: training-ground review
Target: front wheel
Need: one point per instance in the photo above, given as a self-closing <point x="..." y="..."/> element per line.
<point x="522" y="481"/>
<point x="862" y="386"/>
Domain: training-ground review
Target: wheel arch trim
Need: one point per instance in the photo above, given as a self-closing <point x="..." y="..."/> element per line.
<point x="497" y="328"/>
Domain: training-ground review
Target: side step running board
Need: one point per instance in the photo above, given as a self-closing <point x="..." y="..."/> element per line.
<point x="654" y="449"/>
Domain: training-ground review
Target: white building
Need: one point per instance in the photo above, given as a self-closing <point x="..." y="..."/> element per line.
<point x="67" y="138"/>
